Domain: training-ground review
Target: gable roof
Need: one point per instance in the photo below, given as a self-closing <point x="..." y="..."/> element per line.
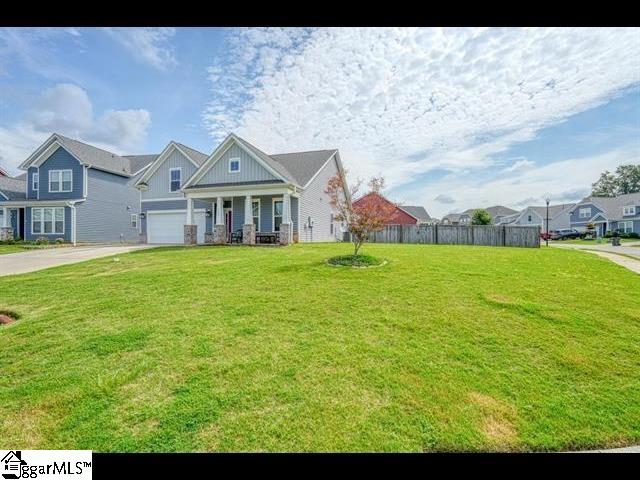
<point x="612" y="206"/>
<point x="93" y="156"/>
<point x="495" y="211"/>
<point x="298" y="168"/>
<point x="554" y="210"/>
<point x="3" y="172"/>
<point x="455" y="217"/>
<point x="138" y="162"/>
<point x="194" y="156"/>
<point x="13" y="188"/>
<point x="416" y="211"/>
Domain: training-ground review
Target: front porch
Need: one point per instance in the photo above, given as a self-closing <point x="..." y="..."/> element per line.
<point x="267" y="216"/>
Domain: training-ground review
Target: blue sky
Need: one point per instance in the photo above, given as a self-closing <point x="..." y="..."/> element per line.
<point x="453" y="118"/>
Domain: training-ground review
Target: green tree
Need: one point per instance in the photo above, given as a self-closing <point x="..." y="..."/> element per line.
<point x="481" y="217"/>
<point x="626" y="179"/>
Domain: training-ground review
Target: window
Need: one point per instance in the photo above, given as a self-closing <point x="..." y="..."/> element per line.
<point x="134" y="220"/>
<point x="277" y="214"/>
<point x="34" y="182"/>
<point x="629" y="210"/>
<point x="234" y="165"/>
<point x="60" y="180"/>
<point x="255" y="212"/>
<point x="176" y="179"/>
<point x="529" y="218"/>
<point x="47" y="220"/>
<point x="585" y="212"/>
<point x="625" y="227"/>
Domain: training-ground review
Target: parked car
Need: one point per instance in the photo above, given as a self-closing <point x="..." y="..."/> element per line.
<point x="565" y="234"/>
<point x="546" y="235"/>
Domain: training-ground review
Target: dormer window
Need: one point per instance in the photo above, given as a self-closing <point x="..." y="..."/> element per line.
<point x="234" y="165"/>
<point x="629" y="210"/>
<point x="176" y="179"/>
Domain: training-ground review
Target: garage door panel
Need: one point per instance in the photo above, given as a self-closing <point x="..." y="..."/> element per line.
<point x="168" y="228"/>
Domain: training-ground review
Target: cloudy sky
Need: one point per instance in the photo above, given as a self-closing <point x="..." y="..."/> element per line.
<point x="453" y="118"/>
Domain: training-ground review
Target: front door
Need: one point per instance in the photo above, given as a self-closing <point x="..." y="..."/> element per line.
<point x="228" y="221"/>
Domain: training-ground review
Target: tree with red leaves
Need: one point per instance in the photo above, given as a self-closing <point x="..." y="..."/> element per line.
<point x="361" y="219"/>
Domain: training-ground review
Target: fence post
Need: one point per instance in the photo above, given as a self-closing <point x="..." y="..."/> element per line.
<point x="435" y="234"/>
<point x="504" y="235"/>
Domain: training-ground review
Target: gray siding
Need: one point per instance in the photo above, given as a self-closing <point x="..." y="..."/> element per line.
<point x="51" y="236"/>
<point x="535" y="219"/>
<point x="104" y="217"/>
<point x="61" y="160"/>
<point x="250" y="170"/>
<point x="159" y="183"/>
<point x="314" y="203"/>
<point x="575" y="216"/>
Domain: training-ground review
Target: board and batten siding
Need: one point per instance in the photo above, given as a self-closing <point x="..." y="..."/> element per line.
<point x="104" y="216"/>
<point x="160" y="181"/>
<point x="59" y="160"/>
<point x="314" y="203"/>
<point x="250" y="169"/>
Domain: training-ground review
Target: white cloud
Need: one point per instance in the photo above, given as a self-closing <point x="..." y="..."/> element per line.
<point x="148" y="45"/>
<point x="446" y="199"/>
<point x="67" y="109"/>
<point x="520" y="165"/>
<point x="406" y="101"/>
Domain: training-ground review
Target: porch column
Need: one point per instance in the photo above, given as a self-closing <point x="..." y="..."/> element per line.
<point x="190" y="230"/>
<point x="286" y="231"/>
<point x="219" y="230"/>
<point x="6" y="232"/>
<point x="248" y="229"/>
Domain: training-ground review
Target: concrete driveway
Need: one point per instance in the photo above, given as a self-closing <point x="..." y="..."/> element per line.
<point x="31" y="261"/>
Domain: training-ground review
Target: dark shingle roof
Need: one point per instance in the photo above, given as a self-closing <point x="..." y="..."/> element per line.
<point x="416" y="211"/>
<point x="195" y="155"/>
<point x="303" y="165"/>
<point x="13" y="188"/>
<point x="138" y="162"/>
<point x="96" y="157"/>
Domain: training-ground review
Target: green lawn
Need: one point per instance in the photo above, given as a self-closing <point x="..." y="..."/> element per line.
<point x="270" y="349"/>
<point x="10" y="249"/>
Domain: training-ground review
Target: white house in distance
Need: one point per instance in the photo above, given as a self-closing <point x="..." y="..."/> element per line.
<point x="559" y="217"/>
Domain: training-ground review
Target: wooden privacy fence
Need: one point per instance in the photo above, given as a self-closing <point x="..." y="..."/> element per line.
<point x="493" y="235"/>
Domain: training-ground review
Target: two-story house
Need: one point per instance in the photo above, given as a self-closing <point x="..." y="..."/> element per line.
<point x="75" y="192"/>
<point x="559" y="217"/>
<point x="238" y="193"/>
<point x="456" y="219"/>
<point x="621" y="213"/>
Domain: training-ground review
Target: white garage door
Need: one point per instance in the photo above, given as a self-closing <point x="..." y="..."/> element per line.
<point x="168" y="227"/>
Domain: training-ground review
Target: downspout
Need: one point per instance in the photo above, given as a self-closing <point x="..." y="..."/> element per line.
<point x="73" y="223"/>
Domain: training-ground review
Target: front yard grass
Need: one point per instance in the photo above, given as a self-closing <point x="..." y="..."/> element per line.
<point x="445" y="348"/>
<point x="6" y="248"/>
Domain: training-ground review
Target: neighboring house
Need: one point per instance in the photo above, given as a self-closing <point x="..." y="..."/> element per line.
<point x="3" y="172"/>
<point x="497" y="212"/>
<point x="187" y="196"/>
<point x="73" y="191"/>
<point x="621" y="213"/>
<point x="401" y="215"/>
<point x="559" y="217"/>
<point x="456" y="219"/>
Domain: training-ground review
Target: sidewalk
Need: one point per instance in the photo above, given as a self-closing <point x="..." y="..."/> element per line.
<point x="627" y="255"/>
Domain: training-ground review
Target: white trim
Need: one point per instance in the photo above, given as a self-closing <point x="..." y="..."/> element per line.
<point x="625" y="222"/>
<point x="234" y="159"/>
<point x="155" y="165"/>
<point x="248" y="190"/>
<point x="73" y="224"/>
<point x="180" y="210"/>
<point x="273" y="211"/>
<point x="257" y="199"/>
<point x="61" y="176"/>
<point x="171" y="170"/>
<point x="532" y="211"/>
<point x="630" y="212"/>
<point x="5" y="197"/>
<point x="53" y="220"/>
<point x="50" y="151"/>
<point x="27" y="163"/>
<point x="35" y="184"/>
<point x="586" y="210"/>
<point x="142" y="169"/>
<point x="131" y="217"/>
<point x="225" y="210"/>
<point x="220" y="151"/>
<point x="85" y="181"/>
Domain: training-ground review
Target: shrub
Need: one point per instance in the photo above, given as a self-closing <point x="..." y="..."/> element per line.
<point x="59" y="241"/>
<point x="42" y="241"/>
<point x="632" y="235"/>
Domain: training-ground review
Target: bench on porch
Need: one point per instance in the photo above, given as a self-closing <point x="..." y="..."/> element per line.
<point x="267" y="237"/>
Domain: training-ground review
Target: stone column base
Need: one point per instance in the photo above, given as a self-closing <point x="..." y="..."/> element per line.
<point x="142" y="238"/>
<point x="208" y="238"/>
<point x="219" y="234"/>
<point x="285" y="233"/>
<point x="6" y="233"/>
<point x="249" y="234"/>
<point x="190" y="234"/>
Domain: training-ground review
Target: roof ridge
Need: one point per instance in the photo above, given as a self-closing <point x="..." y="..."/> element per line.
<point x="190" y="148"/>
<point x="88" y="145"/>
<point x="307" y="151"/>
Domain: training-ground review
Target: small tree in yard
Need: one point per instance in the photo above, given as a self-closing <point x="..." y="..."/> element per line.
<point x="362" y="219"/>
<point x="481" y="217"/>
